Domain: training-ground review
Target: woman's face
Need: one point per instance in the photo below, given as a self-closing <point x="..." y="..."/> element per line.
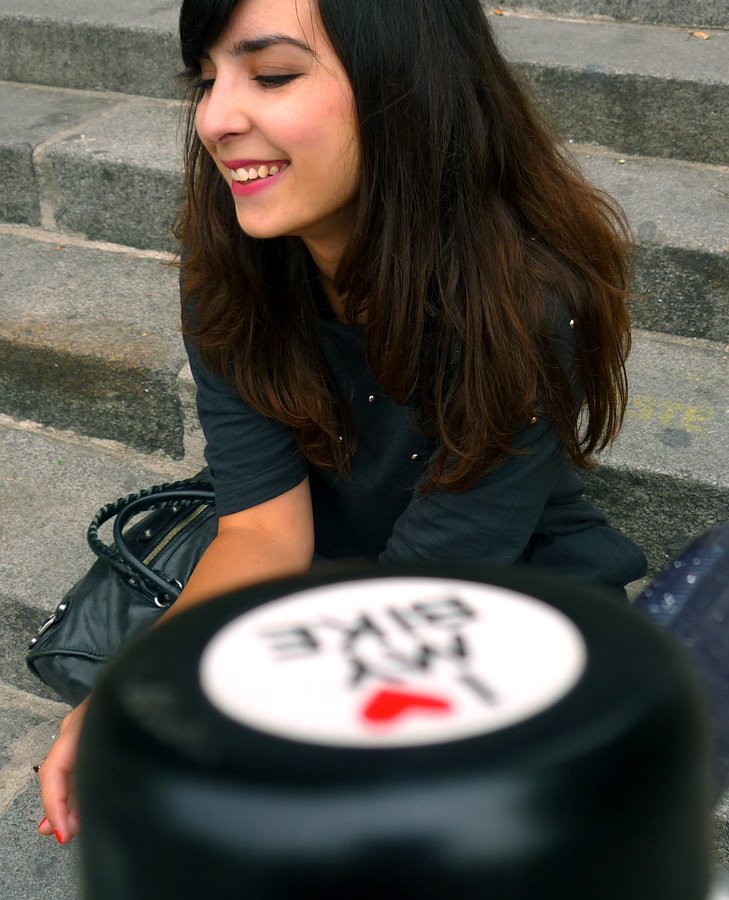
<point x="277" y="117"/>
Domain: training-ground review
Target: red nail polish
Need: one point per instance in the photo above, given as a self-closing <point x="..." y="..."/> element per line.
<point x="42" y="822"/>
<point x="58" y="836"/>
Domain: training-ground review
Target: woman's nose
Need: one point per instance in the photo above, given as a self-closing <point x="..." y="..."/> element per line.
<point x="222" y="113"/>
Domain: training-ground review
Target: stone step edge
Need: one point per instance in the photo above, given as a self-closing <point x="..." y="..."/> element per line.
<point x="81" y="242"/>
<point x="630" y="178"/>
<point x="99" y="64"/>
<point x="176" y="436"/>
<point x="84" y="163"/>
<point x="169" y="468"/>
<point x="193" y="440"/>
<point x="574" y="11"/>
<point x="647" y="37"/>
<point x="90" y="339"/>
<point x="642" y="92"/>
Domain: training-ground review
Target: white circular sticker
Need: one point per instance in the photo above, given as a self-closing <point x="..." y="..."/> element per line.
<point x="392" y="662"/>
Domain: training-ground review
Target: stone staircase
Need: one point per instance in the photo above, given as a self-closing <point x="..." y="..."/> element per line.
<point x="95" y="397"/>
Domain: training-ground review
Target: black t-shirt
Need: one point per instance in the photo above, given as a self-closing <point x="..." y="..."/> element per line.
<point x="529" y="511"/>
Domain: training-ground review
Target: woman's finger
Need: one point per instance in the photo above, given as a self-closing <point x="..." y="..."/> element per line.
<point x="45" y="828"/>
<point x="56" y="775"/>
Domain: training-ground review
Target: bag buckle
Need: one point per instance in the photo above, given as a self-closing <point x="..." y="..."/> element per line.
<point x="159" y="598"/>
<point x="51" y="620"/>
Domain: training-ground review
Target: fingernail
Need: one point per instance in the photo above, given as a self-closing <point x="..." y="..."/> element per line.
<point x="42" y="822"/>
<point x="58" y="836"/>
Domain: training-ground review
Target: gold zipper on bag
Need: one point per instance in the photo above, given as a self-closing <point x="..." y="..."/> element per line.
<point x="173" y="534"/>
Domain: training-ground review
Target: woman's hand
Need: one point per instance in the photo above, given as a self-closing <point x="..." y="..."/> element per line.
<point x="273" y="539"/>
<point x="56" y="780"/>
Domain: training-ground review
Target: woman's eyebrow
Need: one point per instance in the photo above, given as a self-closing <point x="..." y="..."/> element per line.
<point x="255" y="45"/>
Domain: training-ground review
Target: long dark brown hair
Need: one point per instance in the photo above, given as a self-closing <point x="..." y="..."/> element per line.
<point x="474" y="237"/>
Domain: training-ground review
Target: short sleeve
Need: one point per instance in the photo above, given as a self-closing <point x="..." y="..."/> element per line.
<point x="251" y="458"/>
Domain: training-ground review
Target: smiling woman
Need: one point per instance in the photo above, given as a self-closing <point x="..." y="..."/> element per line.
<point x="404" y="308"/>
<point x="277" y="118"/>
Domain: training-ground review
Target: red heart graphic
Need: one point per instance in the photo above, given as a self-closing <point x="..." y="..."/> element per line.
<point x="388" y="705"/>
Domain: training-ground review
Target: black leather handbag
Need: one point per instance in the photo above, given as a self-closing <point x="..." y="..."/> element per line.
<point x="129" y="586"/>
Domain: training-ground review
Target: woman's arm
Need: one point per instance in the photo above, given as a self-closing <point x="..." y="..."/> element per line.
<point x="532" y="510"/>
<point x="493" y="521"/>
<point x="271" y="540"/>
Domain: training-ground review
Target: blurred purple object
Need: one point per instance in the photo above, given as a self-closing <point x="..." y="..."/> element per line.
<point x="690" y="599"/>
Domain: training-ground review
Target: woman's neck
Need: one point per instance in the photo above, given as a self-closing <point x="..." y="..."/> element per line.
<point x="336" y="301"/>
<point x="326" y="259"/>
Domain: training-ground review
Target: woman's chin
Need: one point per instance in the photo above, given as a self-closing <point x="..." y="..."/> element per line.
<point x="259" y="230"/>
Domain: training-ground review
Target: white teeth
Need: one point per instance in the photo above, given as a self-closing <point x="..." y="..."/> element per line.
<point x="252" y="174"/>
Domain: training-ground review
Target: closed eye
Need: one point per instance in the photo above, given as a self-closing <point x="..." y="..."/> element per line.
<point x="273" y="81"/>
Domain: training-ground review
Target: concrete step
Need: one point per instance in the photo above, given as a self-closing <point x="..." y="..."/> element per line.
<point x="642" y="89"/>
<point x="653" y="91"/>
<point x="693" y="13"/>
<point x="89" y="339"/>
<point x="130" y="47"/>
<point x="103" y="165"/>
<point x="667" y="477"/>
<point x="53" y="484"/>
<point x="679" y="213"/>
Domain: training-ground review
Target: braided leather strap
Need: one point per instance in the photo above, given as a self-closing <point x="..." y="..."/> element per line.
<point x="158" y="496"/>
<point x="157" y="583"/>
